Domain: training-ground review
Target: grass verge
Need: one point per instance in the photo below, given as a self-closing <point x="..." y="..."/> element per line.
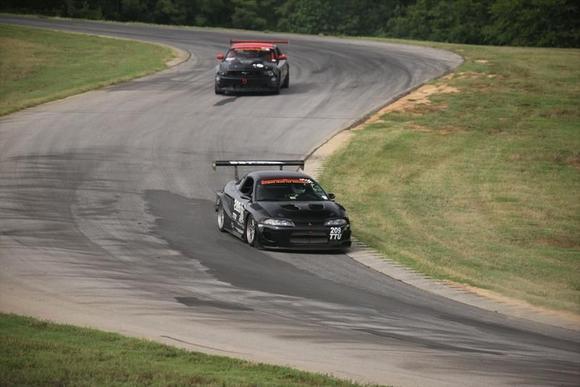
<point x="34" y="352"/>
<point x="479" y="183"/>
<point x="38" y="66"/>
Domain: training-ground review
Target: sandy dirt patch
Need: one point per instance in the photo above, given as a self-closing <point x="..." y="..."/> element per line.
<point x="412" y="101"/>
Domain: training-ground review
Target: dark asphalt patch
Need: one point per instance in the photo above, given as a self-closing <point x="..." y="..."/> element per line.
<point x="427" y="343"/>
<point x="194" y="301"/>
<point x="225" y="101"/>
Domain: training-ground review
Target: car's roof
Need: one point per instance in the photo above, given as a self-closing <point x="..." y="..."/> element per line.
<point x="277" y="174"/>
<point x="253" y="46"/>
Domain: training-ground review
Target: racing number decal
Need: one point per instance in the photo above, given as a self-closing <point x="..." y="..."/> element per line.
<point x="335" y="233"/>
<point x="239" y="209"/>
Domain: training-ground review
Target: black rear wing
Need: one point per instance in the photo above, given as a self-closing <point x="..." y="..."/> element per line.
<point x="256" y="163"/>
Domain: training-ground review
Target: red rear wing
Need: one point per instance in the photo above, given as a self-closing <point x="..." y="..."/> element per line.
<point x="233" y="41"/>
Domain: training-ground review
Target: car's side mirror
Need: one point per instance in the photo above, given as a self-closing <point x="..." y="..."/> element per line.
<point x="220" y="56"/>
<point x="283" y="57"/>
<point x="331" y="196"/>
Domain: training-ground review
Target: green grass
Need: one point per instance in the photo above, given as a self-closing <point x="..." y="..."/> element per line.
<point x="34" y="352"/>
<point x="38" y="66"/>
<point x="482" y="186"/>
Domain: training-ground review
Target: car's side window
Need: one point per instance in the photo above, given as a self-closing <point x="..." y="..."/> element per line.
<point x="230" y="55"/>
<point x="247" y="186"/>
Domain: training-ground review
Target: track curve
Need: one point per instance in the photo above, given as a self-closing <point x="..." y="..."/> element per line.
<point x="106" y="220"/>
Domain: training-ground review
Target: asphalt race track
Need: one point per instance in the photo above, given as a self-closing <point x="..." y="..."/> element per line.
<point x="106" y="220"/>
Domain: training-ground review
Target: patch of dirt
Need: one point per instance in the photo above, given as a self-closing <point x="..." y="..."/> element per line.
<point x="558" y="112"/>
<point x="564" y="243"/>
<point x="449" y="130"/>
<point x="417" y="101"/>
<point x="442" y="131"/>
<point x="470" y="75"/>
<point x="574" y="161"/>
<point x="419" y="128"/>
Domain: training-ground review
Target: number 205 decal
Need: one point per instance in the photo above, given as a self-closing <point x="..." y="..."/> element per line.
<point x="335" y="233"/>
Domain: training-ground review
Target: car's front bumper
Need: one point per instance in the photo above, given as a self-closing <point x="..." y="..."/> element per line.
<point x="250" y="84"/>
<point x="303" y="238"/>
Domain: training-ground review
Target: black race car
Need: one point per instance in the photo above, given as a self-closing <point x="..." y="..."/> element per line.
<point x="252" y="65"/>
<point x="281" y="210"/>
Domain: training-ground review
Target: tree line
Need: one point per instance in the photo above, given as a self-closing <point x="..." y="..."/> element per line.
<point x="545" y="23"/>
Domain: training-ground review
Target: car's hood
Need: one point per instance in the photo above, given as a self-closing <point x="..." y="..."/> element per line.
<point x="317" y="211"/>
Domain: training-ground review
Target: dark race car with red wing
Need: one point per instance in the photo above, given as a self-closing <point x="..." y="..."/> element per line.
<point x="252" y="66"/>
<point x="281" y="209"/>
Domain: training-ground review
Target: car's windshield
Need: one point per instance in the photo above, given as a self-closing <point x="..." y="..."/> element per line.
<point x="289" y="189"/>
<point x="249" y="54"/>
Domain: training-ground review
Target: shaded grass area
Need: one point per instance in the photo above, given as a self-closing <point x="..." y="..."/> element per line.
<point x="34" y="352"/>
<point x="38" y="66"/>
<point x="481" y="186"/>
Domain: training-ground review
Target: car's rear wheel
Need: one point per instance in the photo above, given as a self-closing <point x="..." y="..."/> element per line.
<point x="221" y="218"/>
<point x="251" y="232"/>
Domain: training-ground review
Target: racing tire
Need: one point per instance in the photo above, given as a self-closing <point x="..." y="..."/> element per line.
<point x="286" y="82"/>
<point x="251" y="232"/>
<point x="221" y="218"/>
<point x="218" y="91"/>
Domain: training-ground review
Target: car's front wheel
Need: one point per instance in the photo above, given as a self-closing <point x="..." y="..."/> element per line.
<point x="286" y="82"/>
<point x="251" y="232"/>
<point x="218" y="90"/>
<point x="221" y="218"/>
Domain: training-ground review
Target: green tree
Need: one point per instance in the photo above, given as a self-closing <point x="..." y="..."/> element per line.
<point x="212" y="13"/>
<point x="460" y="21"/>
<point x="246" y="14"/>
<point x="134" y="10"/>
<point x="169" y="12"/>
<point x="343" y="17"/>
<point x="255" y="14"/>
<point x="550" y="23"/>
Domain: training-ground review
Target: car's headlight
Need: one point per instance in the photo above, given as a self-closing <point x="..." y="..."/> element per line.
<point x="221" y="73"/>
<point x="335" y="222"/>
<point x="278" y="222"/>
